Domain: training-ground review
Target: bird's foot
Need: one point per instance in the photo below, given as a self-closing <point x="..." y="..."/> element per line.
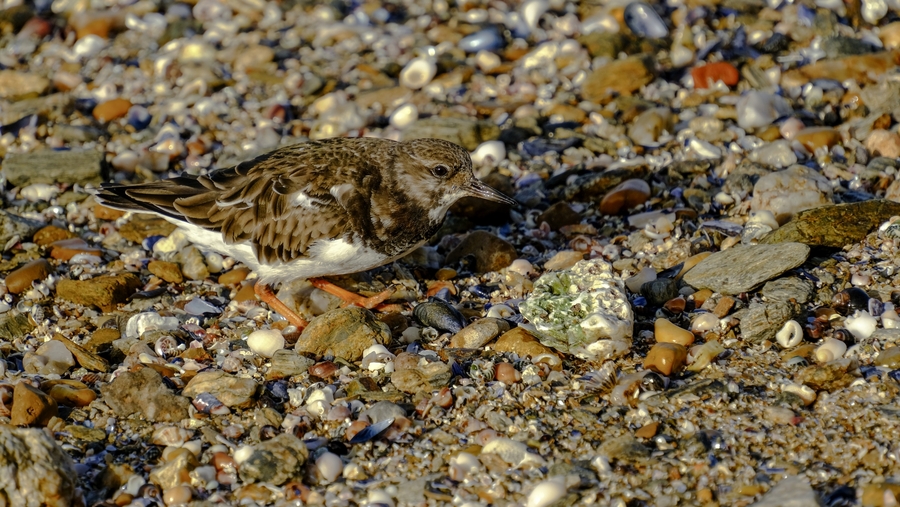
<point x="350" y="298"/>
<point x="265" y="293"/>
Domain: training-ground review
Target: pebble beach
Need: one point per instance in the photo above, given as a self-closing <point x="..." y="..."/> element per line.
<point x="694" y="302"/>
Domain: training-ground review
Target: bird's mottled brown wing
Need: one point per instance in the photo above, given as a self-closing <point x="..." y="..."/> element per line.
<point x="280" y="202"/>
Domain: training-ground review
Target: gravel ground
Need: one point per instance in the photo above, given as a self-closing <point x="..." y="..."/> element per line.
<point x="692" y="304"/>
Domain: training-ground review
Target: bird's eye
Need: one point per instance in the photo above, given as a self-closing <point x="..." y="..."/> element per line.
<point x="440" y="170"/>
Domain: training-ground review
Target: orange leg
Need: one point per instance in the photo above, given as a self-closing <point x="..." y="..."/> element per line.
<point x="265" y="293"/>
<point x="349" y="297"/>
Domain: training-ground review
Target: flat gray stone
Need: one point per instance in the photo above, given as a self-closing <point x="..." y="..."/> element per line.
<point x="793" y="491"/>
<point x="14" y="226"/>
<point x="788" y="288"/>
<point x="50" y="166"/>
<point x="744" y="268"/>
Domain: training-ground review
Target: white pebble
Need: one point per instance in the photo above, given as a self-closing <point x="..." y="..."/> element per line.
<point x="861" y="324"/>
<point x="791" y="127"/>
<point x="380" y="498"/>
<point x="758" y="109"/>
<point x="500" y="312"/>
<point x="806" y="393"/>
<point x="704" y="323"/>
<point x="489" y="153"/>
<point x="643" y="276"/>
<point x="513" y="452"/>
<point x="39" y="192"/>
<point x="704" y="149"/>
<point x="790" y="335"/>
<point x="329" y="466"/>
<point x="149" y="321"/>
<point x="874" y="10"/>
<point x="830" y="350"/>
<point x="890" y="319"/>
<point x="418" y="72"/>
<point x="860" y="279"/>
<point x="522" y="267"/>
<point x="265" y="342"/>
<point x="463" y="464"/>
<point x="319" y="402"/>
<point x="546" y="493"/>
<point x="404" y="116"/>
<point x="532" y="10"/>
<point x="243" y="453"/>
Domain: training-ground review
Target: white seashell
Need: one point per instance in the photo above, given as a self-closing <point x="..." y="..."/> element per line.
<point x="627" y="388"/>
<point x="890" y="319"/>
<point x="513" y="452"/>
<point x="547" y="492"/>
<point x="404" y="116"/>
<point x="860" y="279"/>
<point x="763" y="217"/>
<point x="380" y="498"/>
<point x="806" y="393"/>
<point x="39" y="192"/>
<point x="500" y="312"/>
<point x="724" y="199"/>
<point x="522" y="267"/>
<point x="487" y="61"/>
<point x="329" y="466"/>
<point x="790" y="335"/>
<point x="703" y="149"/>
<point x="88" y="46"/>
<point x="532" y="10"/>
<point x="680" y="56"/>
<point x="319" y="402"/>
<point x="378" y="357"/>
<point x="874" y="10"/>
<point x="171" y="435"/>
<point x="791" y="127"/>
<point x="243" y="453"/>
<point x="195" y="446"/>
<point x="830" y="350"/>
<point x="489" y="153"/>
<point x="704" y="323"/>
<point x="265" y="342"/>
<point x="861" y="325"/>
<point x="463" y="464"/>
<point x="702" y="355"/>
<point x="418" y="72"/>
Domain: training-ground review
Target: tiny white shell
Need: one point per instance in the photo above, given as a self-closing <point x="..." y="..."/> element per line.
<point x="329" y="466"/>
<point x="265" y="342"/>
<point x="489" y="152"/>
<point x="890" y="319"/>
<point x="547" y="492"/>
<point x="861" y="324"/>
<point x="830" y="349"/>
<point x="418" y="72"/>
<point x="790" y="335"/>
<point x="404" y="116"/>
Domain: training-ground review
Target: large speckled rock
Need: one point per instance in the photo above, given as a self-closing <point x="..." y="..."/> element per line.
<point x="758" y="264"/>
<point x="582" y="311"/>
<point x="143" y="392"/>
<point x="230" y="390"/>
<point x="791" y="191"/>
<point x="345" y="332"/>
<point x="34" y="470"/>
<point x="275" y="461"/>
<point x="52" y="167"/>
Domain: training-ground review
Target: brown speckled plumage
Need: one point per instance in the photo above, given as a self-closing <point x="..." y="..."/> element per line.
<point x="384" y="195"/>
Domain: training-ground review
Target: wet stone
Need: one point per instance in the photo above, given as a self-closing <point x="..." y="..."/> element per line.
<point x="275" y="461"/>
<point x="142" y="226"/>
<point x="479" y="333"/>
<point x="787" y="289"/>
<point x="233" y="391"/>
<point x="345" y="332"/>
<point x="559" y="215"/>
<point x="168" y="271"/>
<point x="489" y="252"/>
<point x="22" y="278"/>
<point x="521" y="342"/>
<point x="287" y="363"/>
<point x="104" y="292"/>
<point x="743" y="268"/>
<point x="31" y="406"/>
<point x="426" y="378"/>
<point x="835" y="226"/>
<point x="144" y="393"/>
<point x="760" y="321"/>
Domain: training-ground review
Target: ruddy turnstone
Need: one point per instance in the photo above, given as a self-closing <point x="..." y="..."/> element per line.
<point x="315" y="209"/>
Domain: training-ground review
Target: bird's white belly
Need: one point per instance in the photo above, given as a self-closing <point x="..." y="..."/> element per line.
<point x="324" y="258"/>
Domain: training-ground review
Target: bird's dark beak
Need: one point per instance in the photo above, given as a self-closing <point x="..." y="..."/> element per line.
<point x="478" y="189"/>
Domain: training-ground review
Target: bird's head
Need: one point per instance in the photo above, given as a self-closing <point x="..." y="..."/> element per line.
<point x="440" y="173"/>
